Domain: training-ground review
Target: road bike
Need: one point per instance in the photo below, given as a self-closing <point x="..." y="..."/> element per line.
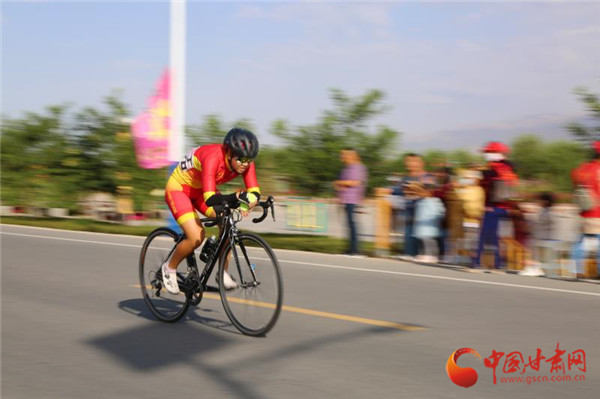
<point x="253" y="307"/>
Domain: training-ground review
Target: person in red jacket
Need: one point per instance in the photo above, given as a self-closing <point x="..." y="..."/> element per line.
<point x="586" y="178"/>
<point x="193" y="186"/>
<point x="499" y="182"/>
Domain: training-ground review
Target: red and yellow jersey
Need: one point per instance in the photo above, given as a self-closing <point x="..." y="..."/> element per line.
<point x="207" y="166"/>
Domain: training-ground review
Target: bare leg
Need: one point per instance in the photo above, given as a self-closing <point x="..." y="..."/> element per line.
<point x="194" y="235"/>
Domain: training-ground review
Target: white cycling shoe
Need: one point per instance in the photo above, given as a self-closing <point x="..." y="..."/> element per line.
<point x="228" y="282"/>
<point x="170" y="279"/>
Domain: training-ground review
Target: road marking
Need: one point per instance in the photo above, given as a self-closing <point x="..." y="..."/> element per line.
<point x="54" y="229"/>
<point x="317" y="313"/>
<point x="328" y="315"/>
<point x="139" y="246"/>
<point x="465" y="280"/>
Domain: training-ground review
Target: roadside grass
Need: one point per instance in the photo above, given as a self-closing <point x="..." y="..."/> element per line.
<point x="300" y="242"/>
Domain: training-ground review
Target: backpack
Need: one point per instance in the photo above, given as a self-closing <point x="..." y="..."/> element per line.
<point x="584" y="198"/>
<point x="505" y="183"/>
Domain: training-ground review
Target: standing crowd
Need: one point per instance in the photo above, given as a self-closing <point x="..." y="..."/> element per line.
<point x="473" y="216"/>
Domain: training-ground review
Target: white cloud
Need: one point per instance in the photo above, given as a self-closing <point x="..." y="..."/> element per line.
<point x="328" y="17"/>
<point x="251" y="12"/>
<point x="472" y="136"/>
<point x="523" y="66"/>
<point x="474" y="80"/>
<point x="433" y="99"/>
<point x="585" y="30"/>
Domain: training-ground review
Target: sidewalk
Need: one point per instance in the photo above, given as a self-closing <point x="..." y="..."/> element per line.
<point x="491" y="271"/>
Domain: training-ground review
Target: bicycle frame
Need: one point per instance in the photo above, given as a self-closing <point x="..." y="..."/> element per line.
<point x="200" y="278"/>
<point x="232" y="246"/>
<point x="228" y="234"/>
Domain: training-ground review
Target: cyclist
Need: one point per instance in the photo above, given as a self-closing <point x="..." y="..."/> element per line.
<point x="193" y="186"/>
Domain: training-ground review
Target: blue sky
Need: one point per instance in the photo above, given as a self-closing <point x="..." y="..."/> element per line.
<point x="455" y="74"/>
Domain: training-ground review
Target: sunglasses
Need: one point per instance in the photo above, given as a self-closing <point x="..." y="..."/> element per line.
<point x="245" y="160"/>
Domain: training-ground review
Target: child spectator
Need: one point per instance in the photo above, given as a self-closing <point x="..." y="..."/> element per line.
<point x="543" y="245"/>
<point x="429" y="213"/>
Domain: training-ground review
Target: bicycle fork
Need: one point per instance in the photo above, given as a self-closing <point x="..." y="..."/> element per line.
<point x="244" y="284"/>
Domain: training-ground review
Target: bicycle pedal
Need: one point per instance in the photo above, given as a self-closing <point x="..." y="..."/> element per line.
<point x="196" y="298"/>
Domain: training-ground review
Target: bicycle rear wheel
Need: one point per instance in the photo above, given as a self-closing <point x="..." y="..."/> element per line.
<point x="163" y="305"/>
<point x="254" y="306"/>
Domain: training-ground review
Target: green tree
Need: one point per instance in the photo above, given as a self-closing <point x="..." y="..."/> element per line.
<point x="591" y="132"/>
<point x="95" y="136"/>
<point x="213" y="129"/>
<point x="549" y="163"/>
<point x="34" y="149"/>
<point x="106" y="154"/>
<point x="463" y="158"/>
<point x="310" y="157"/>
<point x="528" y="154"/>
<point x="561" y="158"/>
<point x="47" y="161"/>
<point x="434" y="159"/>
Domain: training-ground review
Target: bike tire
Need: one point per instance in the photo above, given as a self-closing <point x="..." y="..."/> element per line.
<point x="254" y="309"/>
<point x="163" y="305"/>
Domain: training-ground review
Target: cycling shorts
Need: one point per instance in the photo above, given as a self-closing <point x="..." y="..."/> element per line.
<point x="184" y="200"/>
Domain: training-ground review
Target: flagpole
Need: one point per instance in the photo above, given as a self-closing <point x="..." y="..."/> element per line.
<point x="177" y="89"/>
<point x="177" y="29"/>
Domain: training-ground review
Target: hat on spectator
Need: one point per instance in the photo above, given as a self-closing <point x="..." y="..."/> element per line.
<point x="496" y="146"/>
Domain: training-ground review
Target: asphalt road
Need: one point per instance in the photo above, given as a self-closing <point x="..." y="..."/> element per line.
<point x="74" y="325"/>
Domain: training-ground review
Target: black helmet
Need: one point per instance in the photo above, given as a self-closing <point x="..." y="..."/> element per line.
<point x="242" y="143"/>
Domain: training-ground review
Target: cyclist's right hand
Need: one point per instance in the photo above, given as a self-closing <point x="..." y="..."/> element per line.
<point x="247" y="198"/>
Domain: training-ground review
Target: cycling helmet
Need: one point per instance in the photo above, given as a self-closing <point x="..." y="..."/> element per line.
<point x="242" y="143"/>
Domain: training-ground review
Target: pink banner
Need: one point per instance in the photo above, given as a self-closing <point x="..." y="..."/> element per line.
<point x="151" y="128"/>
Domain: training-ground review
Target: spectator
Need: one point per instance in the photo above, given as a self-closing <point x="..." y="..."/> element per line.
<point x="429" y="214"/>
<point x="586" y="178"/>
<point x="397" y="202"/>
<point x="499" y="182"/>
<point x="472" y="196"/>
<point x="519" y="241"/>
<point x="543" y="246"/>
<point x="412" y="194"/>
<point x="452" y="225"/>
<point x="351" y="191"/>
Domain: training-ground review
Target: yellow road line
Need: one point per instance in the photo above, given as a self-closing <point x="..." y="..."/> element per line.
<point x="310" y="312"/>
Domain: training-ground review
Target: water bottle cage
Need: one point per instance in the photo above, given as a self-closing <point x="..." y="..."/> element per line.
<point x="208" y="250"/>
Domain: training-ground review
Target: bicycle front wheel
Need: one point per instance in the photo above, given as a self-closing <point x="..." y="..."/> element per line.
<point x="163" y="305"/>
<point x="254" y="305"/>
